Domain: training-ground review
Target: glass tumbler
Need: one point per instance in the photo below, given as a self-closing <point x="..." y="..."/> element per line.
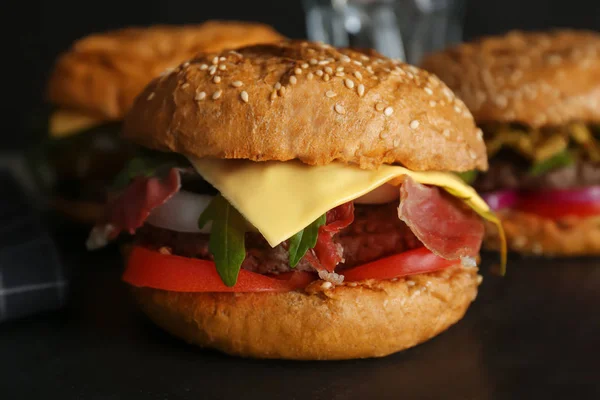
<point x="403" y="29"/>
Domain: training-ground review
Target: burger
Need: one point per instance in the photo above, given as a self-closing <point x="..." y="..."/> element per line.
<point x="301" y="203"/>
<point x="92" y="86"/>
<point x="536" y="96"/>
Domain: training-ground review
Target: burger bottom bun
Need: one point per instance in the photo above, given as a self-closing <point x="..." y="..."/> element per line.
<point x="84" y="212"/>
<point x="353" y="320"/>
<point x="532" y="234"/>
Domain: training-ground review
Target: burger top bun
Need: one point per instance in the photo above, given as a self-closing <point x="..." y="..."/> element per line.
<point x="307" y="101"/>
<point x="102" y="73"/>
<point x="536" y="79"/>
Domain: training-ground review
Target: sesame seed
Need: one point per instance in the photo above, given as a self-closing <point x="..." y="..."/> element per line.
<point x="345" y="59"/>
<point x="339" y="69"/>
<point x="186" y="64"/>
<point x="370" y="69"/>
<point x="200" y="96"/>
<point x="361" y="89"/>
<point x="277" y="86"/>
<point x="432" y="103"/>
<point x="323" y="62"/>
<point x="305" y="65"/>
<point x="326" y="285"/>
<point x="236" y="83"/>
<point x="326" y="77"/>
<point x="212" y="70"/>
<point x="222" y="59"/>
<point x="358" y="75"/>
<point x="185" y="85"/>
<point x="414" y="124"/>
<point x="244" y="96"/>
<point x="203" y="67"/>
<point x="379" y="106"/>
<point x="217" y="79"/>
<point x="150" y="96"/>
<point x="479" y="134"/>
<point x="222" y="67"/>
<point x="410" y="283"/>
<point x="428" y="91"/>
<point x="357" y="62"/>
<point x="330" y="93"/>
<point x="457" y="109"/>
<point x="448" y="93"/>
<point x="329" y="70"/>
<point x="282" y="91"/>
<point x="364" y="58"/>
<point x="293" y="80"/>
<point x="339" y="109"/>
<point x="217" y="94"/>
<point x="472" y="154"/>
<point x="319" y="72"/>
<point x="313" y="61"/>
<point x="340" y="74"/>
<point x="446" y="133"/>
<point x="388" y="111"/>
<point x="309" y="76"/>
<point x="298" y="71"/>
<point x="215" y="60"/>
<point x="273" y="95"/>
<point x="349" y="83"/>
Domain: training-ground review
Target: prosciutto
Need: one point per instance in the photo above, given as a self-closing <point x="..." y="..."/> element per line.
<point x="131" y="208"/>
<point x="441" y="222"/>
<point x="326" y="251"/>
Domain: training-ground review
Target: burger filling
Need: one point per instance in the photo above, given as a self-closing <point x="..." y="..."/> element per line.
<point x="553" y="172"/>
<point x="409" y="225"/>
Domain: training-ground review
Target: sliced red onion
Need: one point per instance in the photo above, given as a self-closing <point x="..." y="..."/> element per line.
<point x="500" y="199"/>
<point x="590" y="194"/>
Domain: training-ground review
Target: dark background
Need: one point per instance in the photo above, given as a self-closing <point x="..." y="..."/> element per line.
<point x="39" y="30"/>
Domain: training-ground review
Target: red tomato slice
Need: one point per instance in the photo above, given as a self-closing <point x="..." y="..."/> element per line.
<point x="553" y="210"/>
<point x="149" y="268"/>
<point x="411" y="262"/>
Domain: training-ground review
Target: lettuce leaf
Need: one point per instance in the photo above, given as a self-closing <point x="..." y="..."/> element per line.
<point x="562" y="159"/>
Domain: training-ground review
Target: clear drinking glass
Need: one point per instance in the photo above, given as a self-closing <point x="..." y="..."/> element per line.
<point x="404" y="29"/>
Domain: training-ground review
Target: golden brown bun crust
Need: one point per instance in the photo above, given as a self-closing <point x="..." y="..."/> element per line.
<point x="532" y="78"/>
<point x="373" y="319"/>
<point x="302" y="100"/>
<point x="533" y="234"/>
<point x="102" y="73"/>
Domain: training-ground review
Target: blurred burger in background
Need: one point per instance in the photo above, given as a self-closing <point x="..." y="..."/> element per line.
<point x="536" y="96"/>
<point x="91" y="88"/>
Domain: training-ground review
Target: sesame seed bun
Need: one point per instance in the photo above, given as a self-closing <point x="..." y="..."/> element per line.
<point x="307" y="101"/>
<point x="536" y="79"/>
<point x="535" y="235"/>
<point x="102" y="73"/>
<point x="367" y="319"/>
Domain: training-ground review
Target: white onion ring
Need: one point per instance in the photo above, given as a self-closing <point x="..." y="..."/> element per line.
<point x="385" y="193"/>
<point x="180" y="213"/>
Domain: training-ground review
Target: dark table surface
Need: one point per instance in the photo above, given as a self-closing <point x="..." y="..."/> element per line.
<point x="533" y="334"/>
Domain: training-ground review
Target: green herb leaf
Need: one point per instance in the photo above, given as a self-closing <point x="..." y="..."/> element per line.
<point x="226" y="242"/>
<point x="147" y="164"/>
<point x="562" y="159"/>
<point x="304" y="240"/>
<point x="468" y="177"/>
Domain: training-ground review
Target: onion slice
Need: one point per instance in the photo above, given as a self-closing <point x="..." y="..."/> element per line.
<point x="180" y="213"/>
<point x="500" y="199"/>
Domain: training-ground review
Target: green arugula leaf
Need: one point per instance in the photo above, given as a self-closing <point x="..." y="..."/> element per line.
<point x="468" y="176"/>
<point x="227" y="238"/>
<point x="562" y="159"/>
<point x="304" y="240"/>
<point x="147" y="164"/>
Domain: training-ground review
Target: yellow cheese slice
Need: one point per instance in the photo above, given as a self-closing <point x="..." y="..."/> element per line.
<point x="66" y="123"/>
<point x="281" y="198"/>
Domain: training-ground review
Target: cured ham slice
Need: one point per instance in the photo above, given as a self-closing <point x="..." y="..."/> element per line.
<point x="132" y="207"/>
<point x="441" y="222"/>
<point x="326" y="251"/>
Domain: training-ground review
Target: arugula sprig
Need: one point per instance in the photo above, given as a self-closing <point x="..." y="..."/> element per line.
<point x="304" y="240"/>
<point x="147" y="163"/>
<point x="562" y="159"/>
<point x="227" y="238"/>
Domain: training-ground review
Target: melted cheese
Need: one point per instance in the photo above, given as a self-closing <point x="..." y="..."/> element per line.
<point x="281" y="198"/>
<point x="66" y="123"/>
